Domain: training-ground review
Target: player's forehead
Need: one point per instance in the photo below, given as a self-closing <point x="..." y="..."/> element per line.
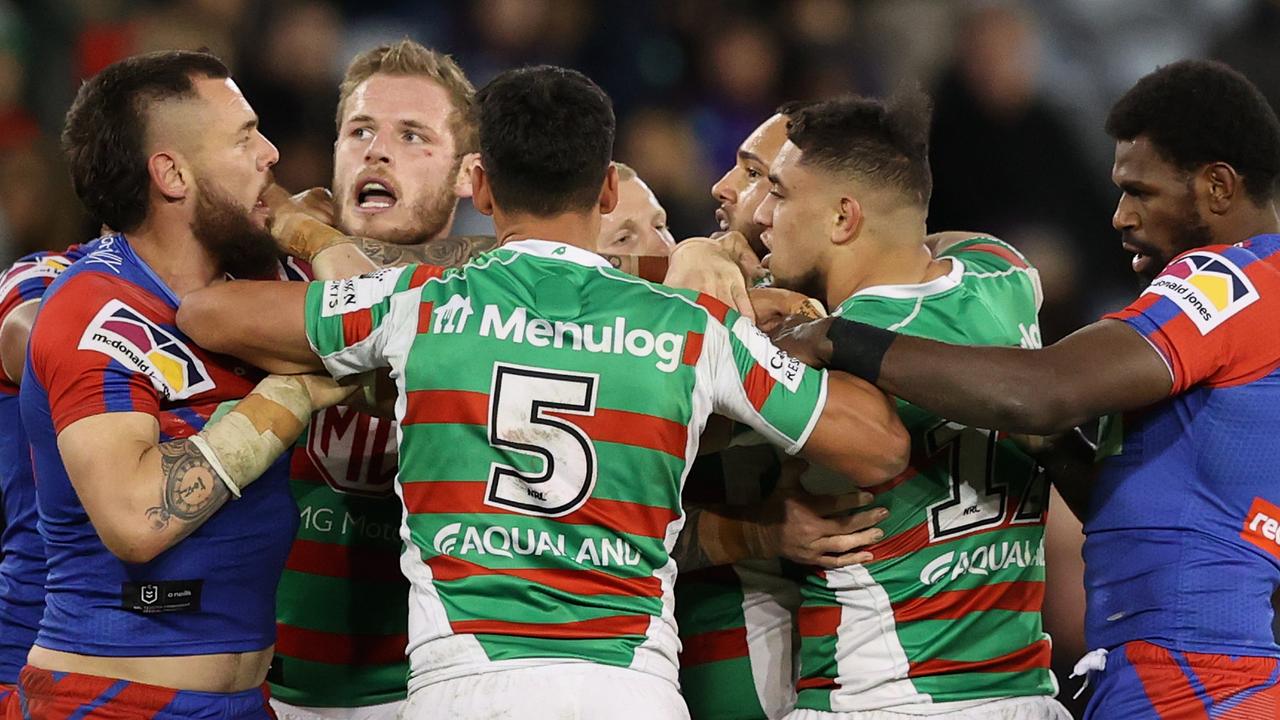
<point x="1140" y="160"/>
<point x="765" y="141"/>
<point x="399" y="98"/>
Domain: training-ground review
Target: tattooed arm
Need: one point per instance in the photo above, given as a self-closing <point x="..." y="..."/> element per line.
<point x="445" y="252"/>
<point x="143" y="496"/>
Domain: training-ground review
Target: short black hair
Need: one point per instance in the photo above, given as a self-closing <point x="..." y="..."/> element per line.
<point x="105" y="129"/>
<point x="885" y="141"/>
<point x="1197" y="112"/>
<point x="546" y="139"/>
<point x="791" y="107"/>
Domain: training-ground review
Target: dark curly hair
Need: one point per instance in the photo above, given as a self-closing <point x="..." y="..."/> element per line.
<point x="105" y="130"/>
<point x="885" y="141"/>
<point x="1197" y="112"/>
<point x="546" y="139"/>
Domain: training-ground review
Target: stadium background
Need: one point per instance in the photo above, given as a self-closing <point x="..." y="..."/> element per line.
<point x="1020" y="88"/>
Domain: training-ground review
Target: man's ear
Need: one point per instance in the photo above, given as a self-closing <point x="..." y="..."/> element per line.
<point x="1222" y="185"/>
<point x="609" y="190"/>
<point x="848" y="222"/>
<point x="481" y="191"/>
<point x="169" y="176"/>
<point x="462" y="183"/>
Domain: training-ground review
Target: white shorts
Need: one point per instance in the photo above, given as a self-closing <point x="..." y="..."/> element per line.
<point x="385" y="711"/>
<point x="1021" y="708"/>
<point x="563" y="691"/>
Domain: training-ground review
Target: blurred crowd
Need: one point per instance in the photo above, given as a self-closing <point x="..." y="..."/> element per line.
<point x="1020" y="88"/>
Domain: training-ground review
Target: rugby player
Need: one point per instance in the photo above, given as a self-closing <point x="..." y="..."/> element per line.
<point x="946" y="618"/>
<point x="638" y="225"/>
<point x="406" y="141"/>
<point x="160" y="586"/>
<point x="1181" y="553"/>
<point x="541" y="478"/>
<point x="22" y="570"/>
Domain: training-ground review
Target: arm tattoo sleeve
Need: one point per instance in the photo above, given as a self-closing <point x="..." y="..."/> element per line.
<point x="191" y="490"/>
<point x="445" y="252"/>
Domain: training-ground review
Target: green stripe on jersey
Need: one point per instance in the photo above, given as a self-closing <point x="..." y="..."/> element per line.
<point x="721" y="690"/>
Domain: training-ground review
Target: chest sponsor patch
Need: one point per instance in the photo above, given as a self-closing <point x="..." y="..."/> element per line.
<point x="1262" y="527"/>
<point x="127" y="336"/>
<point x="1207" y="287"/>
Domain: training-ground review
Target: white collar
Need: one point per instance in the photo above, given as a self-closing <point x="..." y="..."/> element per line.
<point x="935" y="286"/>
<point x="558" y="251"/>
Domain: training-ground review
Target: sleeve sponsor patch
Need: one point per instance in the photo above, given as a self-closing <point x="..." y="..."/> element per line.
<point x="782" y="367"/>
<point x="344" y="296"/>
<point x="1207" y="287"/>
<point x="130" y="338"/>
<point x="49" y="267"/>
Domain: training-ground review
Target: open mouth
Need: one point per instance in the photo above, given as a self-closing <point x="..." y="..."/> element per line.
<point x="375" y="196"/>
<point x="1141" y="262"/>
<point x="723" y="218"/>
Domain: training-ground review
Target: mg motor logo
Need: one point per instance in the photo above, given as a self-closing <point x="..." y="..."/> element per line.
<point x="354" y="452"/>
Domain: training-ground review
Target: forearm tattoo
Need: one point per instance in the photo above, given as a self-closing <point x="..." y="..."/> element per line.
<point x="444" y="252"/>
<point x="191" y="489"/>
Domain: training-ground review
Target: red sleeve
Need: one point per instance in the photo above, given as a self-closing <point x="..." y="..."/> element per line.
<point x="90" y="351"/>
<point x="1205" y="314"/>
<point x="25" y="281"/>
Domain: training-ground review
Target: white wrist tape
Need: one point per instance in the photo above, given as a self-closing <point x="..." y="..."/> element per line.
<point x="242" y="444"/>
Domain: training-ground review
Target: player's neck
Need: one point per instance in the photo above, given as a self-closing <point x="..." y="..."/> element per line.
<point x="1264" y="221"/>
<point x="890" y="251"/>
<point x="174" y="254"/>
<point x="577" y="229"/>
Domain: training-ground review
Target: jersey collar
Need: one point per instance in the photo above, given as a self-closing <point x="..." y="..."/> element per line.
<point x="935" y="286"/>
<point x="558" y="251"/>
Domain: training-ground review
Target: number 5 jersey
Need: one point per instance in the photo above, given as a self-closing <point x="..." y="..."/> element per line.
<point x="549" y="407"/>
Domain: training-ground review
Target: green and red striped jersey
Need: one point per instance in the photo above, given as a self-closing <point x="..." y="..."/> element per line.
<point x="549" y="408"/>
<point x="948" y="613"/>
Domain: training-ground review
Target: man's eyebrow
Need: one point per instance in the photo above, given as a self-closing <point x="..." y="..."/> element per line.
<point x="359" y="119"/>
<point x="776" y="180"/>
<point x="248" y="125"/>
<point x="749" y="156"/>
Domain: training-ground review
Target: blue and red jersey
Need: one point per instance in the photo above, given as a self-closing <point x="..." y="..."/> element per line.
<point x="105" y="341"/>
<point x="1183" y="533"/>
<point x="22" y="568"/>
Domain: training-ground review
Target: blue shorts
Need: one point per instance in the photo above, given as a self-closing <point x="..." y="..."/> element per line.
<point x="1144" y="681"/>
<point x="49" y="695"/>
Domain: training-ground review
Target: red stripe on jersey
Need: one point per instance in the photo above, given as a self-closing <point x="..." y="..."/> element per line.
<point x="1032" y="657"/>
<point x="953" y="604"/>
<point x="692" y="348"/>
<point x="339" y="649"/>
<point x="818" y="621"/>
<point x="301" y="468"/>
<point x="446" y="568"/>
<point x="758" y="384"/>
<point x="999" y="251"/>
<point x="635" y="429"/>
<point x="356" y="326"/>
<point x="605" y="627"/>
<point x="344" y="561"/>
<point x="132" y="698"/>
<point x="423" y="273"/>
<point x="424" y="317"/>
<point x="717" y="309"/>
<point x="460" y="497"/>
<point x="816" y="683"/>
<point x="615" y="426"/>
<point x="714" y="646"/>
<point x="446" y="406"/>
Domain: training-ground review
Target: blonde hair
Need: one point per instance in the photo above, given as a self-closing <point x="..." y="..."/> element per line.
<point x="413" y="59"/>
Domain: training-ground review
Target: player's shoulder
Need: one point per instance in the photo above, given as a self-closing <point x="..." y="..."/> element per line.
<point x="983" y="252"/>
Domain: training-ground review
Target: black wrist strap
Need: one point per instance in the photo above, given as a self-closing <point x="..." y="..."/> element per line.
<point x="858" y="348"/>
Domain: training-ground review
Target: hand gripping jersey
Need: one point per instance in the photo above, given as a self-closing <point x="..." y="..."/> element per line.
<point x="948" y="612"/>
<point x="342" y="606"/>
<point x="105" y="342"/>
<point x="736" y="621"/>
<point x="549" y="408"/>
<point x="22" y="570"/>
<point x="1182" y="541"/>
